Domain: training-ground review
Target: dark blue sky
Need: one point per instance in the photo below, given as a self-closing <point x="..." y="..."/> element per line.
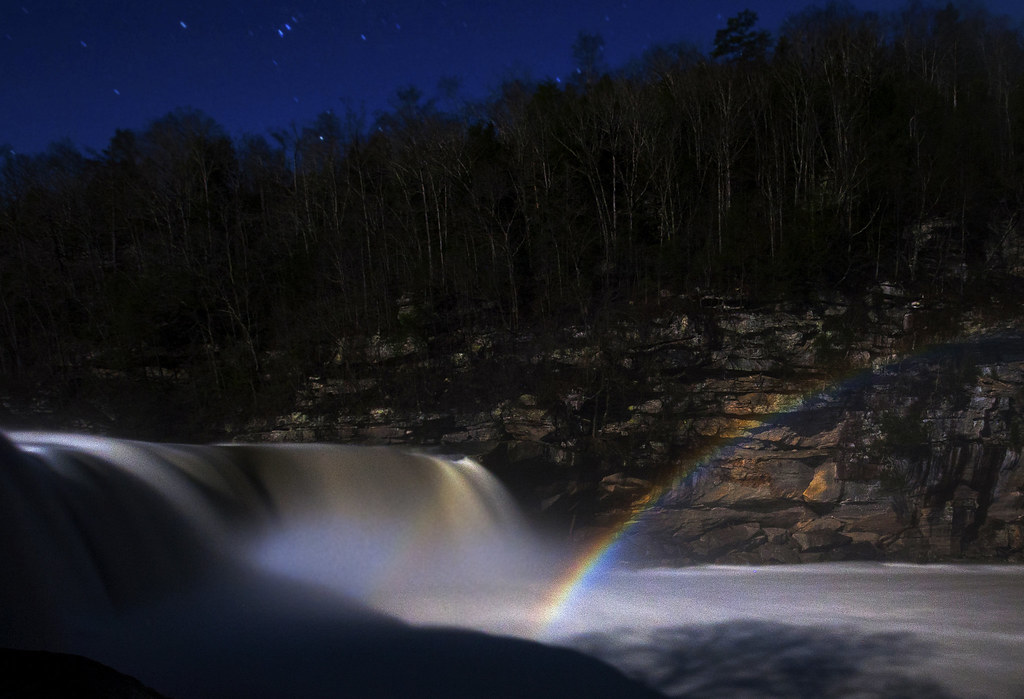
<point x="79" y="69"/>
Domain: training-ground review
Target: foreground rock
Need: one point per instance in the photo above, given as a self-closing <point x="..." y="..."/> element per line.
<point x="33" y="674"/>
<point x="422" y="663"/>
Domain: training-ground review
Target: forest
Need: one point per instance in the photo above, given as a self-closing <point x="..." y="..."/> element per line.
<point x="851" y="149"/>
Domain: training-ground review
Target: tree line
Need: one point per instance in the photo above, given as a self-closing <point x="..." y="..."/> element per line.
<point x="851" y="149"/>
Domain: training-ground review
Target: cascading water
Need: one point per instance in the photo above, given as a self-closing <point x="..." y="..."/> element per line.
<point x="136" y="517"/>
<point x="264" y="570"/>
<point x="313" y="570"/>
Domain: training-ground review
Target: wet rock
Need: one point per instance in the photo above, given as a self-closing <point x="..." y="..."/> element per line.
<point x="776" y="535"/>
<point x="823" y="489"/>
<point x="622" y="482"/>
<point x="686" y="524"/>
<point x="820" y="535"/>
<point x="725" y="539"/>
<point x="741" y="496"/>
<point x="527" y="424"/>
<point x="790" y="478"/>
<point x="878" y="518"/>
<point x="778" y="553"/>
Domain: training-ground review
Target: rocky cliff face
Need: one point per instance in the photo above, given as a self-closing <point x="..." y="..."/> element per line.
<point x="868" y="428"/>
<point x="916" y="460"/>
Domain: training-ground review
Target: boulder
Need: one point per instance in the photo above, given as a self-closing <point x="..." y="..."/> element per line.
<point x="820" y="535"/>
<point x="725" y="539"/>
<point x="778" y="553"/>
<point x="823" y="489"/>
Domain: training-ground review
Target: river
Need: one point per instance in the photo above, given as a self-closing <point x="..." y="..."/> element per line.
<point x="307" y="570"/>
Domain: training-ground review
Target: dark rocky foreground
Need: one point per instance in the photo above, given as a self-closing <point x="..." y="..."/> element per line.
<point x="427" y="663"/>
<point x="875" y="427"/>
<point x="27" y="674"/>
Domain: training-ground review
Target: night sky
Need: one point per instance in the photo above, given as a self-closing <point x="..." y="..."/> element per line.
<point x="79" y="70"/>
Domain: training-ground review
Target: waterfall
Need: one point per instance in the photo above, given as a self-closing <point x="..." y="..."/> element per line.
<point x="133" y="520"/>
<point x="260" y="570"/>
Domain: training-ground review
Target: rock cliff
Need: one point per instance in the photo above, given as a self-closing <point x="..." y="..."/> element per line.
<point x="874" y="427"/>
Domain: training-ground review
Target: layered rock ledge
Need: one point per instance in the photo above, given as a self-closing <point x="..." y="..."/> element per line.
<point x="877" y="427"/>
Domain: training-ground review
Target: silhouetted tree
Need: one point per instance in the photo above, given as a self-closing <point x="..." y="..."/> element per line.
<point x="739" y="41"/>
